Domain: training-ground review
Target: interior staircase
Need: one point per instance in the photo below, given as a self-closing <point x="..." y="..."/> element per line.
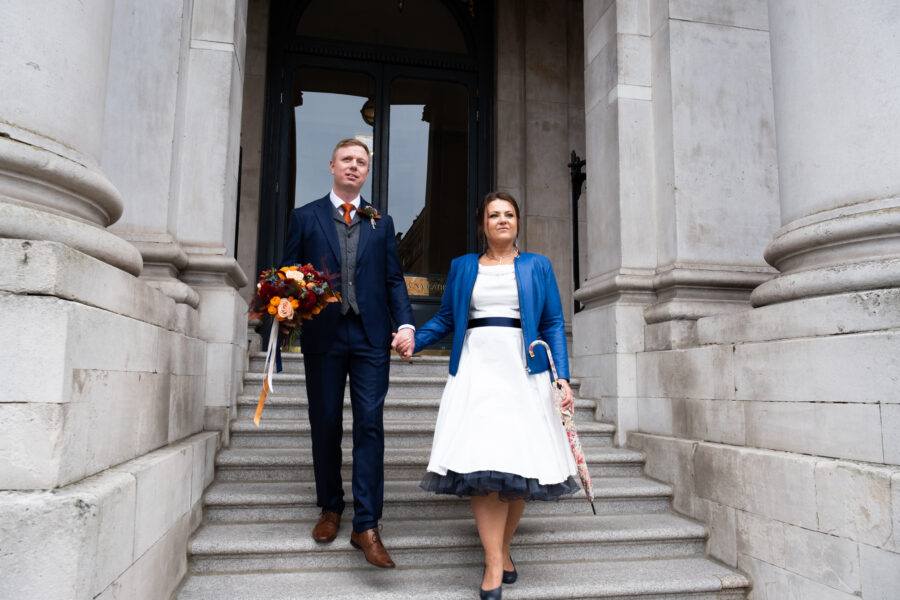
<point x="256" y="540"/>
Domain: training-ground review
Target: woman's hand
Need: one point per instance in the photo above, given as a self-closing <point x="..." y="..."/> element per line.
<point x="567" y="403"/>
<point x="403" y="342"/>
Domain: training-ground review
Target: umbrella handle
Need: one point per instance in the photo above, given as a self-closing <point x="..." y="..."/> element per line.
<point x="549" y="356"/>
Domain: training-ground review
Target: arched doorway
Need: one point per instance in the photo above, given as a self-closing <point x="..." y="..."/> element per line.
<point x="413" y="80"/>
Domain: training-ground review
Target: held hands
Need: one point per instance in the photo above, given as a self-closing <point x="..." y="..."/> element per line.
<point x="404" y="342"/>
<point x="567" y="403"/>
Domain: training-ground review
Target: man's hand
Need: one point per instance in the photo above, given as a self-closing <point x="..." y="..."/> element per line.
<point x="404" y="342"/>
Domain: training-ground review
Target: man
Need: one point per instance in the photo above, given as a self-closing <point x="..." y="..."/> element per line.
<point x="342" y="234"/>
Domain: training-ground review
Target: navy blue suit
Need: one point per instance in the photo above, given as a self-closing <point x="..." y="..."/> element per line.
<point x="336" y="345"/>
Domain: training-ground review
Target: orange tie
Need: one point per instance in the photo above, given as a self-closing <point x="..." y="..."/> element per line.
<point x="347" y="207"/>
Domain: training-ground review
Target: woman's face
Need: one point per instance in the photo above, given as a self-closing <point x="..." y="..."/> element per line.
<point x="500" y="223"/>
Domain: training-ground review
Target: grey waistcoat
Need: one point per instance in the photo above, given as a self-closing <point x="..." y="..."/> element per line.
<point x="348" y="237"/>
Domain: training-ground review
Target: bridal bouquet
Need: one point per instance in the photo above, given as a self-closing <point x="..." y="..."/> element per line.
<point x="289" y="294"/>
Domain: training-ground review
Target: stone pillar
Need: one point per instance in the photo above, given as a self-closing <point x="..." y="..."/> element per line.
<point x="538" y="125"/>
<point x="252" y="137"/>
<point x="53" y="59"/>
<point x="142" y="131"/>
<point x="715" y="162"/>
<point x="204" y="197"/>
<point x="102" y="462"/>
<point x="682" y="180"/>
<point x="837" y="105"/>
<point x="621" y="250"/>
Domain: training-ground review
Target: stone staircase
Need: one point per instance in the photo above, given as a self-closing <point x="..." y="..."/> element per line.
<point x="255" y="541"/>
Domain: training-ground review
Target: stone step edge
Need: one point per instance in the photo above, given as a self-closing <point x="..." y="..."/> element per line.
<point x="412" y="425"/>
<point x="238" y="493"/>
<point x="395" y="379"/>
<point x="679" y="578"/>
<point x="300" y="400"/>
<point x="238" y="458"/>
<point x="447" y="533"/>
<point x="399" y="379"/>
<point x="394" y="358"/>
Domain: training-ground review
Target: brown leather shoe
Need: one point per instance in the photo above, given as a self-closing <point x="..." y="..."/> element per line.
<point x="369" y="542"/>
<point x="327" y="527"/>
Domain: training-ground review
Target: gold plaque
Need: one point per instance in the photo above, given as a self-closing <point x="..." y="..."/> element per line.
<point x="425" y="285"/>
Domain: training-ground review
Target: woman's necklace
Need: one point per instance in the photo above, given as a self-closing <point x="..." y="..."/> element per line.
<point x="499" y="260"/>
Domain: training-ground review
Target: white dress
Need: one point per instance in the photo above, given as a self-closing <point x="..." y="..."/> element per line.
<point x="497" y="428"/>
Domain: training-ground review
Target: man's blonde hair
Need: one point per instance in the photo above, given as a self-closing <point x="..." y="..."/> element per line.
<point x="349" y="142"/>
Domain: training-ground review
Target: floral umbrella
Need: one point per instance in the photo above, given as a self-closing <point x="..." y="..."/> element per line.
<point x="569" y="424"/>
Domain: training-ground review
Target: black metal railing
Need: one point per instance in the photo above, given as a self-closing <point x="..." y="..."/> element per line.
<point x="578" y="179"/>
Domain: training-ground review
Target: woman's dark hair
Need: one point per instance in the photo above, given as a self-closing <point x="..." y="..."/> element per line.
<point x="482" y="209"/>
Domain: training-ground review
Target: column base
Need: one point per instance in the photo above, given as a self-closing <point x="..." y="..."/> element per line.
<point x="852" y="248"/>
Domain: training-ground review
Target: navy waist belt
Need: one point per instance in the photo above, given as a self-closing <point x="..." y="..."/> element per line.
<point x="495" y="322"/>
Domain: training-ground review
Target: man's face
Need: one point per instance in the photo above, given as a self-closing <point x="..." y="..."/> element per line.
<point x="350" y="167"/>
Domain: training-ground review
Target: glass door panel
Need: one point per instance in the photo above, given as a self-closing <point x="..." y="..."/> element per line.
<point x="328" y="106"/>
<point x="428" y="178"/>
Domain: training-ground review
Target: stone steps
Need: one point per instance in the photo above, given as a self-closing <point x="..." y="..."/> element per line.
<point x="259" y="512"/>
<point x="690" y="578"/>
<point x="292" y="362"/>
<point x="295" y="464"/>
<point x="401" y="386"/>
<point x="296" y="500"/>
<point x="437" y="542"/>
<point x="281" y="406"/>
<point x="289" y="433"/>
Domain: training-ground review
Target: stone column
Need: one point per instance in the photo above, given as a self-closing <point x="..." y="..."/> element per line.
<point x="837" y="105"/>
<point x="141" y="134"/>
<point x="682" y="180"/>
<point x="617" y="277"/>
<point x="538" y="124"/>
<point x="204" y="197"/>
<point x="714" y="162"/>
<point x="53" y="58"/>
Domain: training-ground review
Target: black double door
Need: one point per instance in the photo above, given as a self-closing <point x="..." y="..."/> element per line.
<point x="425" y="117"/>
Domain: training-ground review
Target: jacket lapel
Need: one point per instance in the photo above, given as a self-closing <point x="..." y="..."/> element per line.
<point x="365" y="230"/>
<point x="470" y="273"/>
<point x="325" y="215"/>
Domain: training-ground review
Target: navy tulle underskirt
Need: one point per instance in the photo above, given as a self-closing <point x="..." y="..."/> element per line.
<point x="507" y="485"/>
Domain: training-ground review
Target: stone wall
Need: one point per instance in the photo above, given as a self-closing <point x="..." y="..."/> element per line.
<point x="780" y="431"/>
<point x="124" y="334"/>
<point x="776" y="425"/>
<point x="682" y="180"/>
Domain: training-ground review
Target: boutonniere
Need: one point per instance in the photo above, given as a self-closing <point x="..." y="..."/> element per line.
<point x="370" y="212"/>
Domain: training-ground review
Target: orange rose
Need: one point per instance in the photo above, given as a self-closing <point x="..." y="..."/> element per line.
<point x="285" y="310"/>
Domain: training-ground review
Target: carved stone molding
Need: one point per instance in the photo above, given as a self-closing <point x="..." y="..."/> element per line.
<point x="677" y="291"/>
<point x="164" y="259"/>
<point x="852" y="248"/>
<point x="26" y="223"/>
<point x="213" y="269"/>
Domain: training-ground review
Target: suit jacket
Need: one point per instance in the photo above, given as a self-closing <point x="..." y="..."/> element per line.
<point x="380" y="287"/>
<point x="539" y="306"/>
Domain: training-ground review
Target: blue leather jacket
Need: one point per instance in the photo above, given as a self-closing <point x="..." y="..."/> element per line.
<point x="539" y="305"/>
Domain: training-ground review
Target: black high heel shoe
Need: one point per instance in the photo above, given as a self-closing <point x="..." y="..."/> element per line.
<point x="510" y="576"/>
<point x="494" y="594"/>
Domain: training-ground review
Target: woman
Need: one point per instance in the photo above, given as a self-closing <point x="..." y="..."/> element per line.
<point x="498" y="436"/>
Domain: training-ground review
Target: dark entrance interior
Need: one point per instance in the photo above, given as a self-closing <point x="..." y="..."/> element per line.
<point x="412" y="79"/>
